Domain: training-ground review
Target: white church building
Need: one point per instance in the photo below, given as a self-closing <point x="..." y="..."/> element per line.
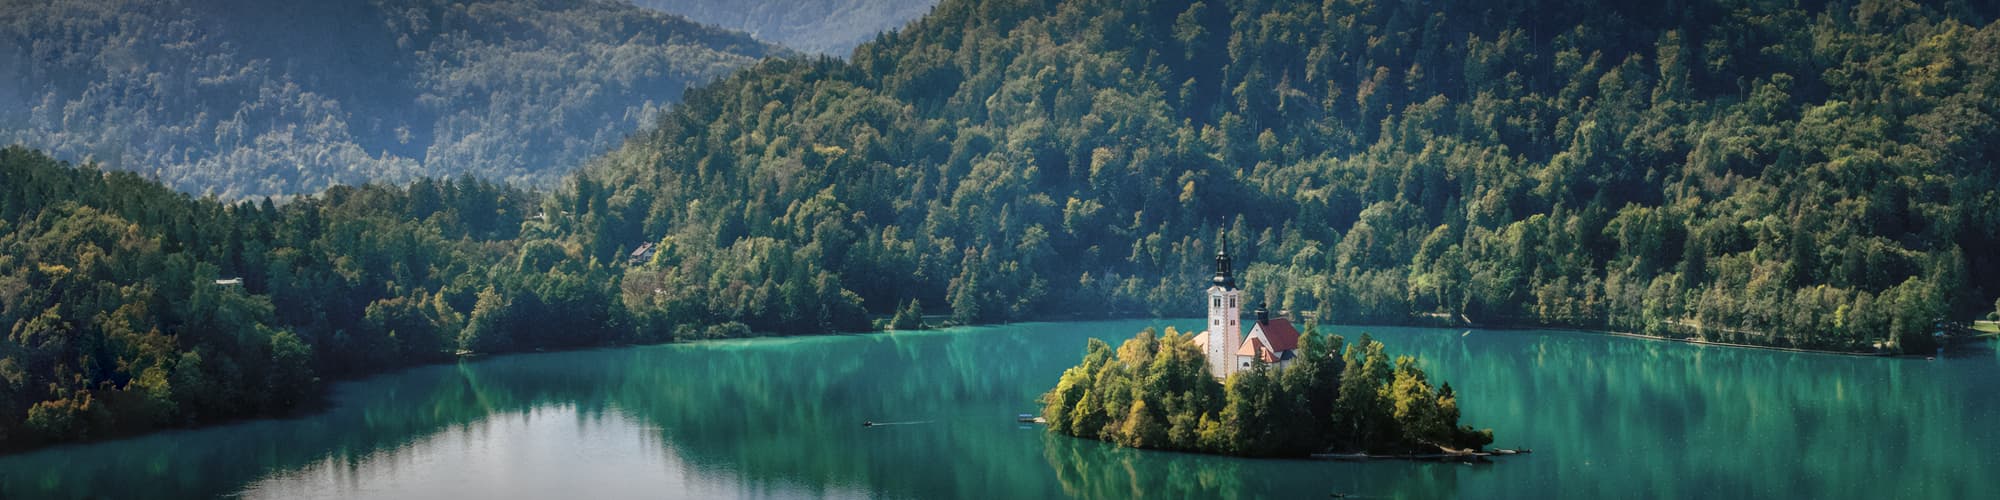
<point x="1229" y="350"/>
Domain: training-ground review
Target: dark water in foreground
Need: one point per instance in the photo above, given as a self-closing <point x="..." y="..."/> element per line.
<point x="1607" y="417"/>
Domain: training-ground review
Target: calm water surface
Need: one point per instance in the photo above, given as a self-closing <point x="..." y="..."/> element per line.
<point x="780" y="418"/>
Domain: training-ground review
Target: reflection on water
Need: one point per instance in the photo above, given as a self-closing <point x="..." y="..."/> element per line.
<point x="1089" y="469"/>
<point x="1607" y="417"/>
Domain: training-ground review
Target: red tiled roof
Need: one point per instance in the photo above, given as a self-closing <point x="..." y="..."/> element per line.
<point x="1256" y="347"/>
<point x="1201" y="341"/>
<point x="1283" y="336"/>
<point x="1252" y="348"/>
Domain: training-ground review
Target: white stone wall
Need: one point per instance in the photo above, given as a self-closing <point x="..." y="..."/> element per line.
<point x="1225" y="336"/>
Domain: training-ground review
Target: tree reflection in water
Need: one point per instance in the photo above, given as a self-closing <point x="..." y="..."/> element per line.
<point x="1608" y="417"/>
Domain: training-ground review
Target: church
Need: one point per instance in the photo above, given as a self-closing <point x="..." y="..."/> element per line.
<point x="1274" y="341"/>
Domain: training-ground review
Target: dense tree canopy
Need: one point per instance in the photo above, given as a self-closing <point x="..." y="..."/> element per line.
<point x="128" y="306"/>
<point x="255" y="97"/>
<point x="1156" y="392"/>
<point x="1817" y="174"/>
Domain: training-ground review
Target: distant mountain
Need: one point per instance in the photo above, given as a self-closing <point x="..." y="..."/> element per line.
<point x="254" y="97"/>
<point x="830" y="27"/>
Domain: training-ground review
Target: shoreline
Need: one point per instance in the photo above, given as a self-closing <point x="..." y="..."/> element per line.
<point x="1587" y="331"/>
<point x="1698" y="342"/>
<point x="321" y="406"/>
<point x="1552" y="328"/>
<point x="1446" y="323"/>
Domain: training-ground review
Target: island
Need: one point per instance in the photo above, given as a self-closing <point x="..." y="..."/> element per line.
<point x="1274" y="392"/>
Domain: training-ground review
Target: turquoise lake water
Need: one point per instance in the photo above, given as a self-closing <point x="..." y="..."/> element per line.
<point x="1607" y="417"/>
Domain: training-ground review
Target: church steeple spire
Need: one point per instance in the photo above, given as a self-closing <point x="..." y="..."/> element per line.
<point x="1224" y="277"/>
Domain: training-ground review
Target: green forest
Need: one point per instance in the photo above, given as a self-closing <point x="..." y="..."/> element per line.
<point x="830" y="27"/>
<point x="1155" y="391"/>
<point x="245" y="98"/>
<point x="1817" y="175"/>
<point x="131" y="307"/>
<point x="1809" y="174"/>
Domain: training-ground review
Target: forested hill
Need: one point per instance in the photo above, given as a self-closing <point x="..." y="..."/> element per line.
<point x="1820" y="175"/>
<point x="1817" y="176"/>
<point x="257" y="97"/>
<point x="830" y="27"/>
<point x="127" y="306"/>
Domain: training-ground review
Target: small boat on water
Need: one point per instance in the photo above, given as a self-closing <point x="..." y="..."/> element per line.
<point x="1029" y="418"/>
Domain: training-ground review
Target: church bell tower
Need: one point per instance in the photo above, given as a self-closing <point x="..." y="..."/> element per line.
<point x="1225" y="308"/>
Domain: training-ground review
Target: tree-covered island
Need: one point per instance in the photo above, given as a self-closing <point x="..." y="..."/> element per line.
<point x="1154" y="391"/>
<point x="1271" y="390"/>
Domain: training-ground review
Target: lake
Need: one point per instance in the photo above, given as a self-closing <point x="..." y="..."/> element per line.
<point x="1607" y="417"/>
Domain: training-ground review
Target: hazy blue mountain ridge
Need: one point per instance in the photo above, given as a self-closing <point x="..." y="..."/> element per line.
<point x="241" y="98"/>
<point x="831" y="27"/>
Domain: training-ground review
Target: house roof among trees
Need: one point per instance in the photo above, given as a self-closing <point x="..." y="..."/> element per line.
<point x="1282" y="335"/>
